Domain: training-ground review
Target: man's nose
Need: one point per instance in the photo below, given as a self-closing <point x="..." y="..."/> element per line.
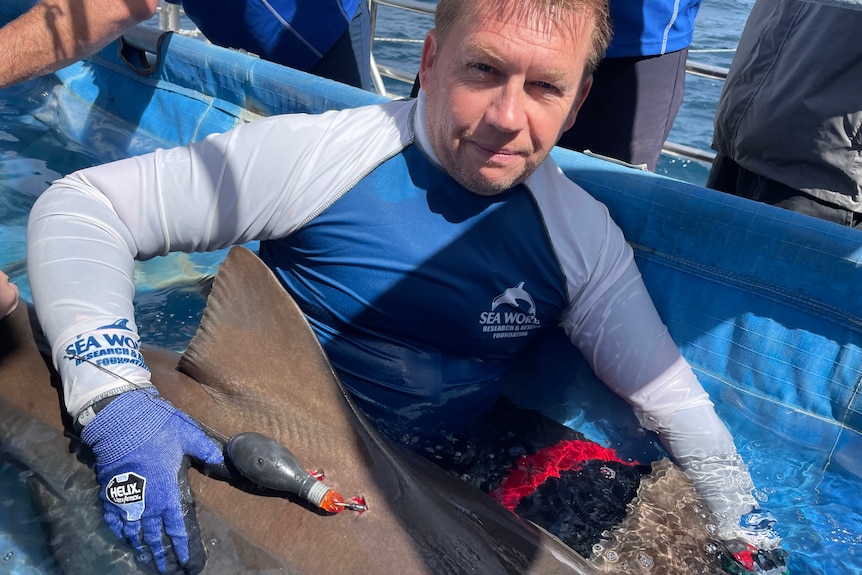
<point x="507" y="111"/>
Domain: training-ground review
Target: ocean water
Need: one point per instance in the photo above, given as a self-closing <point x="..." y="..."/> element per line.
<point x="819" y="514"/>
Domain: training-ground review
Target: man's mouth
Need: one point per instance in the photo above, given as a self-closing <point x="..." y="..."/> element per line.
<point x="495" y="155"/>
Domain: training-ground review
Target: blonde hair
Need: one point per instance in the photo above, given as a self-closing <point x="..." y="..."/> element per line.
<point x="541" y="12"/>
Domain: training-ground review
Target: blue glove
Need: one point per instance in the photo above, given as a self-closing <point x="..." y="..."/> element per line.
<point x="756" y="547"/>
<point x="141" y="444"/>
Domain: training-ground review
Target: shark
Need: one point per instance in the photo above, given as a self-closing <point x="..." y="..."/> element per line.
<point x="255" y="365"/>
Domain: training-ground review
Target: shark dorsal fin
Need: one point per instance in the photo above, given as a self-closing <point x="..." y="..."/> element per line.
<point x="255" y="350"/>
<point x="263" y="370"/>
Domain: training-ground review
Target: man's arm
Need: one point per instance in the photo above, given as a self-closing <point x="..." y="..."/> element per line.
<point x="55" y="33"/>
<point x="630" y="349"/>
<point x="258" y="181"/>
<point x="8" y="296"/>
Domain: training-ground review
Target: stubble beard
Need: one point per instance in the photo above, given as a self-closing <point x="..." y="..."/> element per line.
<point x="475" y="182"/>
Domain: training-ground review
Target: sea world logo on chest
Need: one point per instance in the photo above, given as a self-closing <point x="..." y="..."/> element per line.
<point x="512" y="314"/>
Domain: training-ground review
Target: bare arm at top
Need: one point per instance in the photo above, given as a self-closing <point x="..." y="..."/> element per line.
<point x="56" y="33"/>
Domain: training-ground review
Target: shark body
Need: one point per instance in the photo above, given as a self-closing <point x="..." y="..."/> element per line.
<point x="255" y="365"/>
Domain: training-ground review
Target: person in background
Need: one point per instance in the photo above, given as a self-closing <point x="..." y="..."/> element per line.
<point x="428" y="241"/>
<point x="8" y="296"/>
<point x="330" y="38"/>
<point x="788" y="127"/>
<point x="638" y="88"/>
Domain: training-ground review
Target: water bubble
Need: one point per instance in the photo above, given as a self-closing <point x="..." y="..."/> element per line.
<point x="597" y="549"/>
<point x="25" y="475"/>
<point x="645" y="560"/>
<point x="213" y="542"/>
<point x="8" y="556"/>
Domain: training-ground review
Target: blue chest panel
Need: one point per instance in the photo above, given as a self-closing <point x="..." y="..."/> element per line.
<point x="435" y="286"/>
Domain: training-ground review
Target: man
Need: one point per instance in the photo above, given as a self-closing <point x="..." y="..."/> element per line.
<point x="330" y="38"/>
<point x="788" y="127"/>
<point x="428" y="242"/>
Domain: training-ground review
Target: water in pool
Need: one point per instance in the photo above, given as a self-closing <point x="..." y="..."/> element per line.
<point x="818" y="511"/>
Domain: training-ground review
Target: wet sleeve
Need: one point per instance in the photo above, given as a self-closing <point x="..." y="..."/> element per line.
<point x="261" y="180"/>
<point x="621" y="335"/>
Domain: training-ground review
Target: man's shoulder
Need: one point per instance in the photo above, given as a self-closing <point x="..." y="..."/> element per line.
<point x="571" y="214"/>
<point x="549" y="183"/>
<point x="386" y="120"/>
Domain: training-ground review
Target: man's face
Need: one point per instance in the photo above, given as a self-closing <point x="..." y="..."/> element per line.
<point x="500" y="93"/>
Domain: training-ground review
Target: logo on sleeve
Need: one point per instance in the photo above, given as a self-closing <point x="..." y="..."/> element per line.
<point x="513" y="314"/>
<point x="109" y="345"/>
<point x="126" y="491"/>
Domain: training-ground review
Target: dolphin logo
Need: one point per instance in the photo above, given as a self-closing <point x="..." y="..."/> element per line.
<point x="119" y="324"/>
<point x="512" y="295"/>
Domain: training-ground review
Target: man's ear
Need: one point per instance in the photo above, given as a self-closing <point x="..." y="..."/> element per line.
<point x="429" y="56"/>
<point x="582" y="97"/>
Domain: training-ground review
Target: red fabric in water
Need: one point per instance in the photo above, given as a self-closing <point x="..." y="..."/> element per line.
<point x="532" y="470"/>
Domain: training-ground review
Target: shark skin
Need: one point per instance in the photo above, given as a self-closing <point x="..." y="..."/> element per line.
<point x="61" y="482"/>
<point x="255" y="365"/>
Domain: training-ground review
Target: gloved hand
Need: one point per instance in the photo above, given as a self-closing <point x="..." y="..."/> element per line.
<point x="755" y="547"/>
<point x="141" y="444"/>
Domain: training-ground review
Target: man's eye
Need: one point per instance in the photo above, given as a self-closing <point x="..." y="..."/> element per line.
<point x="484" y="68"/>
<point x="545" y="86"/>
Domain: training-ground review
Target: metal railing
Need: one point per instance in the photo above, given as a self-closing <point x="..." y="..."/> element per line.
<point x="694" y="68"/>
<point x="169" y="19"/>
<point x="380" y="71"/>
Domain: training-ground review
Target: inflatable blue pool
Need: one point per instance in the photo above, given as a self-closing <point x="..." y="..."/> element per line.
<point x="764" y="303"/>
